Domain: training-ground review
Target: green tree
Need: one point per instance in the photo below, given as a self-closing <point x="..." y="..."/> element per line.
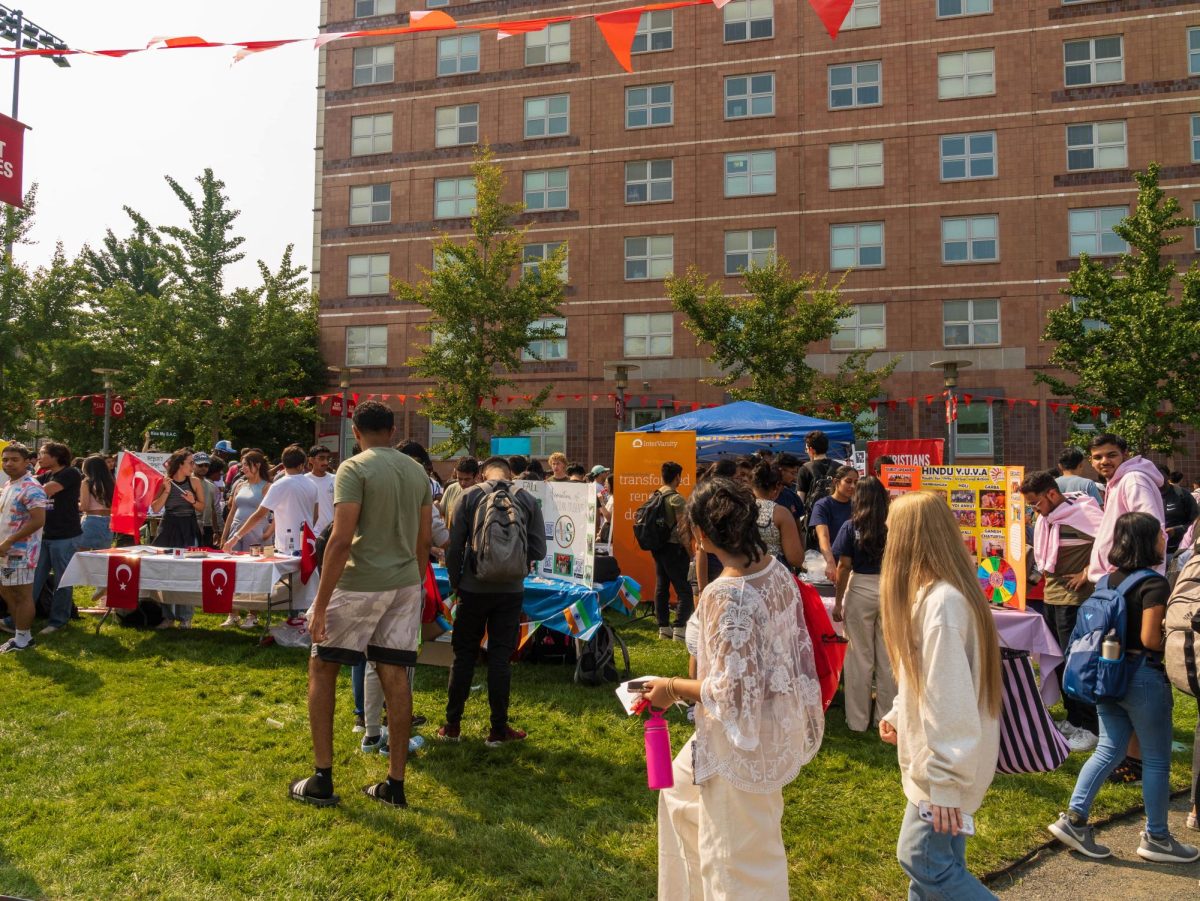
<point x="135" y="261"/>
<point x="1130" y="341"/>
<point x="484" y="313"/>
<point x="760" y="341"/>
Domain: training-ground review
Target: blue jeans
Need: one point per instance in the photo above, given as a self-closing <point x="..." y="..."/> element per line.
<point x="936" y="863"/>
<point x="1146" y="711"/>
<point x="358" y="675"/>
<point x="56" y="555"/>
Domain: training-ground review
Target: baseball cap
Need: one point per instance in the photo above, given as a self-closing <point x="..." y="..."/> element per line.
<point x="225" y="447"/>
<point x="597" y="469"/>
<point x="201" y="458"/>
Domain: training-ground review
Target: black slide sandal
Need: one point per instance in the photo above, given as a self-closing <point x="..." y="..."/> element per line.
<point x="296" y="791"/>
<point x="382" y="793"/>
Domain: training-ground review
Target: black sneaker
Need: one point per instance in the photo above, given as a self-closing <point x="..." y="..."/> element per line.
<point x="1078" y="838"/>
<point x="11" y="646"/>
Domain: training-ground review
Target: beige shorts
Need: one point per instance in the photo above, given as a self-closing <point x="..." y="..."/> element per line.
<point x="382" y="626"/>
<point x="16" y="576"/>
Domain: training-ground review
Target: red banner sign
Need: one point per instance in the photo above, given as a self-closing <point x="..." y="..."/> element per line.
<point x="218" y="581"/>
<point x="906" y="452"/>
<point x="12" y="155"/>
<point x="336" y="406"/>
<point x="124" y="576"/>
<point x="118" y="408"/>
<point x="97" y="404"/>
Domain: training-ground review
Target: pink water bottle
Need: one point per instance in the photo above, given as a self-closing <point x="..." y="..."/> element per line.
<point x="659" y="769"/>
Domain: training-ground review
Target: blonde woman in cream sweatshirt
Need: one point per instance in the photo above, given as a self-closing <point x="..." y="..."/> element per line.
<point x="944" y="649"/>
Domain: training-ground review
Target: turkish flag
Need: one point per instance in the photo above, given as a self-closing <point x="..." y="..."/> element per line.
<point x="219" y="580"/>
<point x="124" y="575"/>
<point x="308" y="553"/>
<point x="137" y="484"/>
<point x="12" y="154"/>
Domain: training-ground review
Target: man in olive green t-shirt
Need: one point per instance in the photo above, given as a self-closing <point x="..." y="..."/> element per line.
<point x="368" y="604"/>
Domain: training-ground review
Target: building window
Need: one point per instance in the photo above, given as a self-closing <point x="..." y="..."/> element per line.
<point x="856" y="165"/>
<point x="973" y="434"/>
<point x="744" y="249"/>
<point x="1193" y="51"/>
<point x="545" y="441"/>
<point x="655" y="32"/>
<point x="456" y="125"/>
<point x="855" y="84"/>
<point x="968" y="156"/>
<point x="550" y="45"/>
<point x="548" y="350"/>
<point x="1196" y="139"/>
<point x="1196" y="230"/>
<point x="365" y="9"/>
<point x="370" y="204"/>
<point x="368" y="275"/>
<point x="1093" y="61"/>
<point x="649" y="106"/>
<point x="366" y="345"/>
<point x="650" y="181"/>
<point x="436" y="4"/>
<point x="863" y="328"/>
<point x="458" y="55"/>
<point x="749" y="20"/>
<point x="749" y="173"/>
<point x="970" y="323"/>
<point x="547" y="116"/>
<point x="649" y="334"/>
<point x="546" y="189"/>
<point x="971" y="239"/>
<point x="646" y="416"/>
<point x="747" y="96"/>
<point x="533" y="254"/>
<point x="1089" y="325"/>
<point x="374" y="65"/>
<point x="371" y="134"/>
<point x="454" y="198"/>
<point x="968" y="74"/>
<point x="649" y="257"/>
<point x="1091" y="231"/>
<point x="856" y="246"/>
<point x="949" y="9"/>
<point x="863" y="14"/>
<point x="1096" y="145"/>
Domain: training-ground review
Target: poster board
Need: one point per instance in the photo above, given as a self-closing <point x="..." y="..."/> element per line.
<point x="989" y="507"/>
<point x="156" y="459"/>
<point x="569" y="510"/>
<point x="637" y="473"/>
<point x="907" y="451"/>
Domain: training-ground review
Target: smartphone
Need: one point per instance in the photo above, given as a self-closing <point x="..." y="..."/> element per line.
<point x="636" y="686"/>
<point x="968" y="821"/>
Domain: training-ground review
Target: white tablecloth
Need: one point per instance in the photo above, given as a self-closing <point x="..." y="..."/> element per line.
<point x="1027" y="631"/>
<point x="178" y="578"/>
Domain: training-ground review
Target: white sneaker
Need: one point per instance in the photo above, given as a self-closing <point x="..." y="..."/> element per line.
<point x="1065" y="728"/>
<point x="231" y="620"/>
<point x="1082" y="740"/>
<point x="250" y="622"/>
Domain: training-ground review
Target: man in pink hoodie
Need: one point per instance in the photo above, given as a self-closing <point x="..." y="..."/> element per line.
<point x="1133" y="487"/>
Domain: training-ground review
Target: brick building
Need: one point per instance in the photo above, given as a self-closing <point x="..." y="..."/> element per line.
<point x="957" y="154"/>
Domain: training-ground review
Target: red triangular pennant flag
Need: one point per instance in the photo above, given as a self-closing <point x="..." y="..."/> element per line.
<point x="618" y="29"/>
<point x="218" y="582"/>
<point x="308" y="553"/>
<point x="124" y="576"/>
<point x="832" y="13"/>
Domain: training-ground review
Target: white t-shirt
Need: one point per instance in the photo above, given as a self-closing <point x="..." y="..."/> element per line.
<point x="325" y="495"/>
<point x="292" y="500"/>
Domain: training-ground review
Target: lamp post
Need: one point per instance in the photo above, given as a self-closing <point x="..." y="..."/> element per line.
<point x="344" y="373"/>
<point x="107" y="374"/>
<point x="950" y="380"/>
<point x="621" y="376"/>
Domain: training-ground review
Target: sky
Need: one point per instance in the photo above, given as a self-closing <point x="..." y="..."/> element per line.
<point x="105" y="132"/>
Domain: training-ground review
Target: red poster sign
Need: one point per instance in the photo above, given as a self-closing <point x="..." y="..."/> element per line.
<point x="97" y="404"/>
<point x="336" y="406"/>
<point x="124" y="575"/>
<point x="12" y="153"/>
<point x="118" y="408"/>
<point x="218" y="582"/>
<point x="906" y="452"/>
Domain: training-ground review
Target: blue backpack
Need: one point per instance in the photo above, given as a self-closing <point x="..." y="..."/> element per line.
<point x="1087" y="676"/>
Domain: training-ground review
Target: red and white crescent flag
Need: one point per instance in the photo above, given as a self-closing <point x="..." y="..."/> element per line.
<point x="219" y="580"/>
<point x="124" y="576"/>
<point x="308" y="553"/>
<point x="137" y="484"/>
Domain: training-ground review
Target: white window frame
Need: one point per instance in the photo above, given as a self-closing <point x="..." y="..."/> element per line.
<point x="375" y="137"/>
<point x="450" y="128"/>
<point x="1196" y="139"/>
<point x="967" y="73"/>
<point x="548" y="350"/>
<point x="749" y="96"/>
<point x="760" y="247"/>
<point x="374" y="65"/>
<point x="746" y="14"/>
<point x="855" y="166"/>
<point x="1089" y="325"/>
<point x="459" y="197"/>
<point x="946" y="8"/>
<point x="550" y="45"/>
<point x="849" y="236"/>
<point x="860" y="82"/>
<point x="367" y="207"/>
<point x="545" y="441"/>
<point x="548" y="117"/>
<point x="533" y="254"/>
<point x="1098" y="147"/>
<point x="973" y="243"/>
<point x="640" y="416"/>
<point x="968" y="156"/>
<point x="657" y="255"/>
<point x="650" y="26"/>
<point x="650" y="105"/>
<point x="376" y="7"/>
<point x="650" y="181"/>
<point x="852" y="331"/>
<point x="1193" y="51"/>
<point x="972" y="322"/>
<point x="757" y="167"/>
<point x="1092" y="64"/>
<point x="1196" y="230"/>
<point x="863" y="14"/>
<point x="1088" y="222"/>
<point x="546" y="190"/>
<point x="366" y="345"/>
<point x="654" y="327"/>
<point x="969" y="411"/>
<point x="375" y="280"/>
<point x="464" y="58"/>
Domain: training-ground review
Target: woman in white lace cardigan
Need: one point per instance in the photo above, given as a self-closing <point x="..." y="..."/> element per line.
<point x="758" y="715"/>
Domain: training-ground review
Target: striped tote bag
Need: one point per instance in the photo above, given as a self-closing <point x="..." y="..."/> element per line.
<point x="1029" y="740"/>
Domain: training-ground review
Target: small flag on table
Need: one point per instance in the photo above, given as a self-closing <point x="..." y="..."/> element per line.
<point x="218" y="580"/>
<point x="580" y="620"/>
<point x="629" y="594"/>
<point x="124" y="576"/>
<point x="526" y="633"/>
<point x="308" y="553"/>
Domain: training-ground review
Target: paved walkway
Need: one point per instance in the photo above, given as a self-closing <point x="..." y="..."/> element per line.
<point x="1057" y="873"/>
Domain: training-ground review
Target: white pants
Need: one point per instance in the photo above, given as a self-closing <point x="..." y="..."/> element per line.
<point x="717" y="843"/>
<point x="866" y="658"/>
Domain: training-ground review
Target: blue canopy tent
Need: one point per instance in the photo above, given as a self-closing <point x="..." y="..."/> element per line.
<point x="744" y="426"/>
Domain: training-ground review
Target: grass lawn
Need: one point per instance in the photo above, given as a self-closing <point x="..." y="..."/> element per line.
<point x="155" y="765"/>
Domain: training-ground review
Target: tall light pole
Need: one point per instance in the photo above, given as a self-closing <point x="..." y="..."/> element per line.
<point x="107" y="374"/>
<point x="344" y="373"/>
<point x="950" y="380"/>
<point x="621" y="376"/>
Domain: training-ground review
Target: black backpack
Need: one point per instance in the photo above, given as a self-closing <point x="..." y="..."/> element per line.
<point x="821" y="487"/>
<point x="651" y="526"/>
<point x="597" y="663"/>
<point x="549" y="646"/>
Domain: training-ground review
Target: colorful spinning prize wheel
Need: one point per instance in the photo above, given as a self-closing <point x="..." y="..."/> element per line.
<point x="997" y="579"/>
